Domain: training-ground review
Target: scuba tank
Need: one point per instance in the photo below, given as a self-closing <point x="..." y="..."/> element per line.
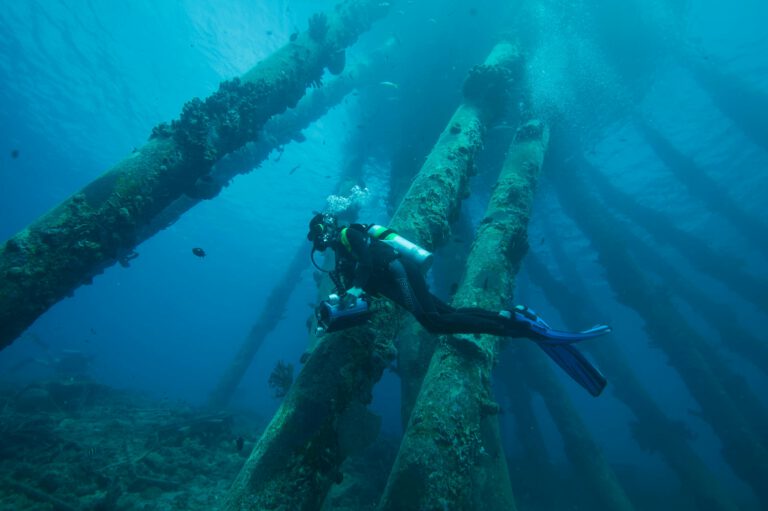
<point x="405" y="248"/>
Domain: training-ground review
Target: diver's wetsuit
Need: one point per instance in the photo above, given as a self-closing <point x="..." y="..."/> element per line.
<point x="375" y="267"/>
<point x="364" y="262"/>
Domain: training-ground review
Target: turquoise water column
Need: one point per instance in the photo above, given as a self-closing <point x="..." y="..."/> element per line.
<point x="727" y="404"/>
<point x="725" y="267"/>
<point x="652" y="428"/>
<point x="711" y="193"/>
<point x="103" y="222"/>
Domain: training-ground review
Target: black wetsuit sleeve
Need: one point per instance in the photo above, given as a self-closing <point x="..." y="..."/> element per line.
<point x="361" y="251"/>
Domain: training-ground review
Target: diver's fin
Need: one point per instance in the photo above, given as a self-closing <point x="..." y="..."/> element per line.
<point x="576" y="365"/>
<point x="524" y="316"/>
<point x="553" y="336"/>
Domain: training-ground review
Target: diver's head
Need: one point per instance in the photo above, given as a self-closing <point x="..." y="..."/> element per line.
<point x="322" y="230"/>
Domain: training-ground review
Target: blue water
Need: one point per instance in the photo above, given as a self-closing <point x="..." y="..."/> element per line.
<point x="84" y="82"/>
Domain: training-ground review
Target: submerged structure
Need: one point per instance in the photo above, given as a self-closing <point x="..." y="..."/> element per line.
<point x="101" y="224"/>
<point x="464" y="397"/>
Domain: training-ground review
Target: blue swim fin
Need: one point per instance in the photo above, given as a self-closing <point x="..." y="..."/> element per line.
<point x="576" y="365"/>
<point x="546" y="334"/>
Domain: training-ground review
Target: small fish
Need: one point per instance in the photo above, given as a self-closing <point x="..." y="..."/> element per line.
<point x="125" y="259"/>
<point x="294" y="169"/>
<point x="454" y="288"/>
<point x="390" y="84"/>
<point x="473" y="11"/>
<point x="199" y="252"/>
<point x="239" y="443"/>
<point x="432" y="20"/>
<point x="15" y="154"/>
<point x="485" y="284"/>
<point x="269" y="32"/>
<point x="294" y="36"/>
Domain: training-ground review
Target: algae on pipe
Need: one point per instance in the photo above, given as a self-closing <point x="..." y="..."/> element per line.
<point x="103" y="222"/>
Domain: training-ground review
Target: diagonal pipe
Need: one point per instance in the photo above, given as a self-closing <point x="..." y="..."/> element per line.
<point x="101" y="223"/>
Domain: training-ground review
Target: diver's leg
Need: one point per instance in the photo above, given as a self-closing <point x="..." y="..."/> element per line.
<point x="444" y="308"/>
<point x="398" y="288"/>
<point x="439" y="317"/>
<point x="405" y="285"/>
<point x="480" y="314"/>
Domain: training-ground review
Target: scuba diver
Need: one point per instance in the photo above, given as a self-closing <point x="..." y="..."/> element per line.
<point x="372" y="260"/>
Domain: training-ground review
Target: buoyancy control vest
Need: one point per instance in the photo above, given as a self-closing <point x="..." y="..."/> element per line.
<point x="403" y="247"/>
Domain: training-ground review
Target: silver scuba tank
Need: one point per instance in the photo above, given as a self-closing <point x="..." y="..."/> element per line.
<point x="405" y="248"/>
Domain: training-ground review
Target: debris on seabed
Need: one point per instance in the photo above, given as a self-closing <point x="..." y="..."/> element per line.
<point x="73" y="444"/>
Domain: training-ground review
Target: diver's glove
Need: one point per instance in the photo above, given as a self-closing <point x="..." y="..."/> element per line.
<point x="528" y="324"/>
<point x="351" y="296"/>
<point x="355" y="291"/>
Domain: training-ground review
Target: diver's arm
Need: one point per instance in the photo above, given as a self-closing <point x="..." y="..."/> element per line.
<point x="358" y="243"/>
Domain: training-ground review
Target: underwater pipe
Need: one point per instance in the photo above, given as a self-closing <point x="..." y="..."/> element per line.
<point x="99" y="225"/>
<point x="653" y="430"/>
<point x="444" y="443"/>
<point x="719" y="314"/>
<point x="277" y="132"/>
<point x="741" y="102"/>
<point x="702" y="187"/>
<point x="269" y="317"/>
<point x="742" y="448"/>
<point x="582" y="451"/>
<point x="534" y="465"/>
<point x="723" y="267"/>
<point x="752" y="407"/>
<point x="280" y="130"/>
<point x="442" y="183"/>
<point x="298" y="456"/>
